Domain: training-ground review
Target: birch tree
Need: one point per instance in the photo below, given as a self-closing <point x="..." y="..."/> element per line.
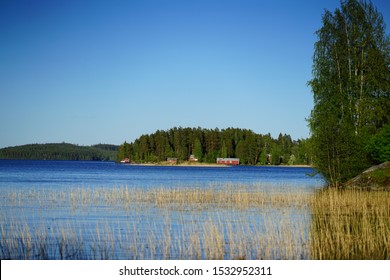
<point x="351" y="86"/>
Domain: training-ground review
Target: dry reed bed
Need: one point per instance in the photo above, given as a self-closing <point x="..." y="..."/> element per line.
<point x="231" y="196"/>
<point x="213" y="239"/>
<point x="350" y="224"/>
<point x="243" y="223"/>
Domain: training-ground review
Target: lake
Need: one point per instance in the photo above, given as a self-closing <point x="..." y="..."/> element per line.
<point x="62" y="174"/>
<point x="103" y="210"/>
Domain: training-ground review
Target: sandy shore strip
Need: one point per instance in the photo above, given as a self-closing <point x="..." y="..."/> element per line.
<point x="201" y="164"/>
<point x="183" y="164"/>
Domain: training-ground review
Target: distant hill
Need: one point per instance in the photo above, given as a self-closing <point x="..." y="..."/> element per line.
<point x="60" y="151"/>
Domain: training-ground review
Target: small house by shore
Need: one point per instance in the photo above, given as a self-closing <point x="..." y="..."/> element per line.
<point x="192" y="158"/>
<point x="172" y="160"/>
<point x="228" y="161"/>
<point x="125" y="160"/>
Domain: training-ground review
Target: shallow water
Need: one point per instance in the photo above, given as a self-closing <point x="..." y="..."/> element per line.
<point x="77" y="210"/>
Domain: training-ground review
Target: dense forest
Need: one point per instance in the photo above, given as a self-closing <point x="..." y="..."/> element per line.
<point x="208" y="144"/>
<point x="60" y="151"/>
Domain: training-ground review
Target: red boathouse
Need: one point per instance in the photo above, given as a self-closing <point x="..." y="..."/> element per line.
<point x="228" y="161"/>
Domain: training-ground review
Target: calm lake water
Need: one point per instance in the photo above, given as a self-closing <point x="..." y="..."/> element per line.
<point x="62" y="174"/>
<point x="82" y="210"/>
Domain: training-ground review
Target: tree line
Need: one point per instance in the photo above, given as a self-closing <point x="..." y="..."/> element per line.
<point x="60" y="151"/>
<point x="209" y="144"/>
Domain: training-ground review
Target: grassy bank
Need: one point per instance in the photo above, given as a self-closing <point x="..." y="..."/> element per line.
<point x="233" y="222"/>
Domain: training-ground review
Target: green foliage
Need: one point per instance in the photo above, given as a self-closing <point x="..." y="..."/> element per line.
<point x="198" y="151"/>
<point x="379" y="145"/>
<point x="61" y="151"/>
<point x="124" y="151"/>
<point x="351" y="87"/>
<point x="381" y="176"/>
<point x="209" y="144"/>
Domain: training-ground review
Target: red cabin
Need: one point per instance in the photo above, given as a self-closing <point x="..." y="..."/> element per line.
<point x="228" y="161"/>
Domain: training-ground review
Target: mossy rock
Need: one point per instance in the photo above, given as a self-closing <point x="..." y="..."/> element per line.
<point x="375" y="178"/>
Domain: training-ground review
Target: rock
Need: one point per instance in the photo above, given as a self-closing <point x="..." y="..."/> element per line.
<point x="375" y="178"/>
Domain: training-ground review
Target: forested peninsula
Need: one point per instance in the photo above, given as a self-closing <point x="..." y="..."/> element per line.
<point x="206" y="145"/>
<point x="60" y="151"/>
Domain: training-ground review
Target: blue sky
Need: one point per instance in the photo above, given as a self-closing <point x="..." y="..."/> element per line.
<point x="89" y="72"/>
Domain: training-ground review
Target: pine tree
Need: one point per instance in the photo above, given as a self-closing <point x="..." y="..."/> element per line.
<point x="198" y="152"/>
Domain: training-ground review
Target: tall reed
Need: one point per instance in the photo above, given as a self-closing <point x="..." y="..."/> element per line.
<point x="229" y="222"/>
<point x="350" y="224"/>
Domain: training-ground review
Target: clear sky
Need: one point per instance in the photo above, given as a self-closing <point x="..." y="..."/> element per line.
<point x="88" y="72"/>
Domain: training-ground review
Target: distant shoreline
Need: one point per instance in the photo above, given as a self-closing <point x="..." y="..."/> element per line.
<point x="198" y="164"/>
<point x="184" y="164"/>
